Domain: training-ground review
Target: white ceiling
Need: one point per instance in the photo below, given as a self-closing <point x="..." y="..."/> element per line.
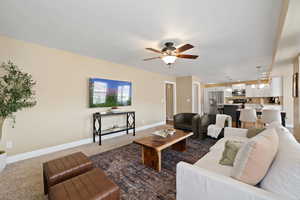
<point x="289" y="45"/>
<point x="231" y="36"/>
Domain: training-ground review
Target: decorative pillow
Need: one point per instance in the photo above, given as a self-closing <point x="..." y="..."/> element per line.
<point x="230" y="151"/>
<point x="255" y="157"/>
<point x="254" y="131"/>
<point x="283" y="177"/>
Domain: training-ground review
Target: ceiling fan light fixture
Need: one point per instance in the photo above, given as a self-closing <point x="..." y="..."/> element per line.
<point x="169" y="59"/>
<point x="169" y="53"/>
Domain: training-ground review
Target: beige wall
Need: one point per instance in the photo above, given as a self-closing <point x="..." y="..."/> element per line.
<point x="184" y="92"/>
<point x="286" y="72"/>
<point x="62" y="114"/>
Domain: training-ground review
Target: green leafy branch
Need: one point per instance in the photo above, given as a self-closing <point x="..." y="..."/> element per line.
<point x="16" y="90"/>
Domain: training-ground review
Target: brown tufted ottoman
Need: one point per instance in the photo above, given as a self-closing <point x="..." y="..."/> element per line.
<point x="92" y="185"/>
<point x="61" y="169"/>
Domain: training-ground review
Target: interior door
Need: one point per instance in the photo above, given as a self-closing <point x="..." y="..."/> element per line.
<point x="169" y="101"/>
<point x="195" y="98"/>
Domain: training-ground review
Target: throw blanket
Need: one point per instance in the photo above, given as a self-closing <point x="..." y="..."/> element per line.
<point x="214" y="130"/>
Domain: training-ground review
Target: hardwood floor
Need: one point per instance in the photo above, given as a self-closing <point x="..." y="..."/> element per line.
<point x="169" y="122"/>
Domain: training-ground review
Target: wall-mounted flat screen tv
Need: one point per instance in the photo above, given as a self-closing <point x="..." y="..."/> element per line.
<point x="109" y="93"/>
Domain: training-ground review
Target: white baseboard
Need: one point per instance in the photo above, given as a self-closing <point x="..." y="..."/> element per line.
<point x="40" y="152"/>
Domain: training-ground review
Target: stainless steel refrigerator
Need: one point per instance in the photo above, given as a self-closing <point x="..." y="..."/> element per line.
<point x="215" y="98"/>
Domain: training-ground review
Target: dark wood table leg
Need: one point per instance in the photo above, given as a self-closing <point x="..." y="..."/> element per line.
<point x="180" y="146"/>
<point x="151" y="158"/>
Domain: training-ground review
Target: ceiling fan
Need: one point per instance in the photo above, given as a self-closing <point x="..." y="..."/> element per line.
<point x="170" y="53"/>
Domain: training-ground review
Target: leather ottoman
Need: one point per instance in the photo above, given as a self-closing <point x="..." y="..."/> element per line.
<point x="92" y="185"/>
<point x="64" y="168"/>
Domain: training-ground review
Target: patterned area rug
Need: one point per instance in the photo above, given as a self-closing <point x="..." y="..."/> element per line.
<point x="138" y="182"/>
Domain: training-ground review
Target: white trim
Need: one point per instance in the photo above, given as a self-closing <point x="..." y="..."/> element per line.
<point x="193" y="95"/>
<point x="44" y="151"/>
<point x="174" y="96"/>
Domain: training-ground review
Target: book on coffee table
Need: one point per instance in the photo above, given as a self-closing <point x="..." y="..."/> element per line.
<point x="164" y="133"/>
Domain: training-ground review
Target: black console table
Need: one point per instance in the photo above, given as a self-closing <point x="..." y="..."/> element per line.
<point x="97" y="124"/>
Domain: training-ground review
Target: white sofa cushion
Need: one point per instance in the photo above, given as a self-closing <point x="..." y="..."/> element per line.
<point x="234" y="132"/>
<point x="219" y="146"/>
<point x="195" y="183"/>
<point x="283" y="176"/>
<point x="211" y="162"/>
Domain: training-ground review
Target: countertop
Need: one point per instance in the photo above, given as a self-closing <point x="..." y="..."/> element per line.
<point x="230" y="104"/>
<point x="259" y="110"/>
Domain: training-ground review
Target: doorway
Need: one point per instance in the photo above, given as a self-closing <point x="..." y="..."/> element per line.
<point x="196" y="99"/>
<point x="170" y="94"/>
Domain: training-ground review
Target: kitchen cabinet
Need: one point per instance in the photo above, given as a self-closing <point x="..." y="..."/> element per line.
<point x="228" y="92"/>
<point x="250" y="91"/>
<point x="263" y="91"/>
<point x="215" y="89"/>
<point x="257" y="91"/>
<point x="238" y="86"/>
<point x="274" y="89"/>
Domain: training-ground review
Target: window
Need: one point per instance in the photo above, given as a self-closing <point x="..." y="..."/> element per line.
<point x="100" y="91"/>
<point x="123" y="94"/>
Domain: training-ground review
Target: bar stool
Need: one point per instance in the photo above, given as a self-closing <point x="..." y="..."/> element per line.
<point x="271" y="115"/>
<point x="248" y="117"/>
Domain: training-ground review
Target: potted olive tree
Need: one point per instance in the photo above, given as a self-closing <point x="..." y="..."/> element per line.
<point x="16" y="92"/>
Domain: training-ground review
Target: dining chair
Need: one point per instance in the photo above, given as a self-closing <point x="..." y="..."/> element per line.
<point x="271" y="115"/>
<point x="248" y="117"/>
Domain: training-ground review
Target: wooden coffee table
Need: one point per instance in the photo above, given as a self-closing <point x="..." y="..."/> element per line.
<point x="153" y="145"/>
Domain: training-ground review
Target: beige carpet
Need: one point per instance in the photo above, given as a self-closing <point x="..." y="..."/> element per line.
<point x="23" y="180"/>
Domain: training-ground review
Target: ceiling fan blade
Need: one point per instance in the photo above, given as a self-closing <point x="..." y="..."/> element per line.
<point x="187" y="56"/>
<point x="184" y="48"/>
<point x="151" y="58"/>
<point x="154" y="50"/>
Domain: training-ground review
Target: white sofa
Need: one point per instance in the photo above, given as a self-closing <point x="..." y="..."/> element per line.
<point x="208" y="180"/>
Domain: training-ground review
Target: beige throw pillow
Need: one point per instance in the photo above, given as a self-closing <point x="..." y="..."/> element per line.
<point x="255" y="157"/>
<point x="230" y="151"/>
<point x="254" y="132"/>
